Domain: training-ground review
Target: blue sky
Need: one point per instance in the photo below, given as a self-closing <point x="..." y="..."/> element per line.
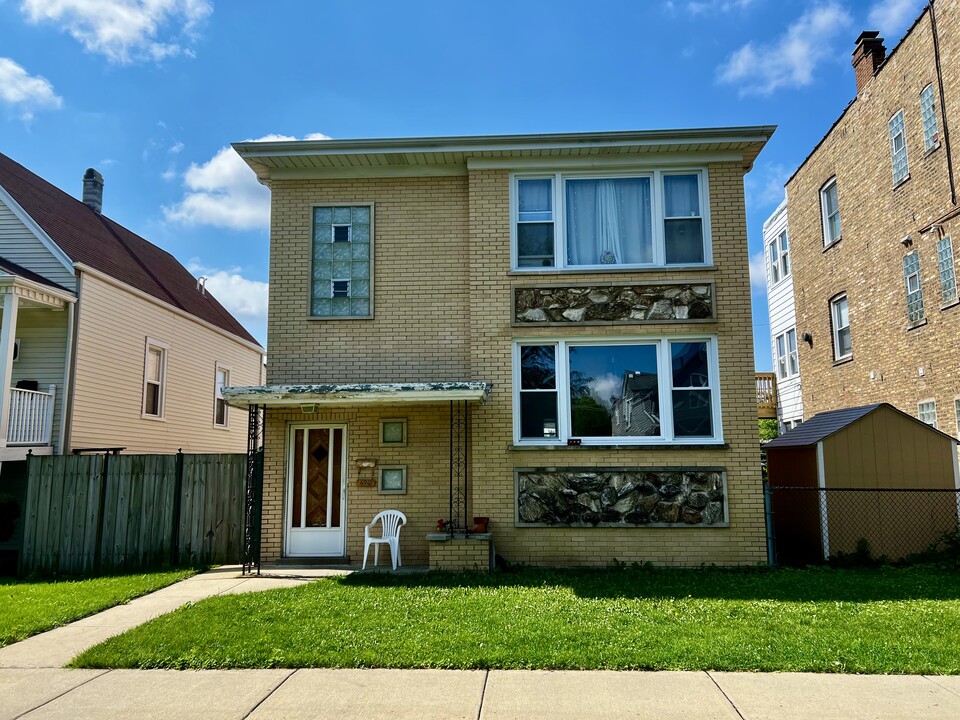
<point x="151" y="92"/>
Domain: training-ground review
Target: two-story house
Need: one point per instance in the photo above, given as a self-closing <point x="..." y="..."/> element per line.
<point x="873" y="211"/>
<point x="783" y="318"/>
<point x="549" y="331"/>
<point x="107" y="341"/>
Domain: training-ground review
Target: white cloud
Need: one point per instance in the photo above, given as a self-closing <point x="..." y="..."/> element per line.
<point x="125" y="31"/>
<point x="25" y="91"/>
<point x="169" y="174"/>
<point x="176" y="148"/>
<point x="891" y="17"/>
<point x="224" y="192"/>
<point x="788" y="61"/>
<point x="245" y="298"/>
<point x="764" y="185"/>
<point x="699" y="7"/>
<point x="758" y="272"/>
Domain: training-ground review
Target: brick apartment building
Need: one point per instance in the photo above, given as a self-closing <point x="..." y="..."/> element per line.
<point x="873" y="224"/>
<point x="549" y="331"/>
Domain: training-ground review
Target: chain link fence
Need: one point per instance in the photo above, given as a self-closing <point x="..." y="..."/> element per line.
<point x="857" y="526"/>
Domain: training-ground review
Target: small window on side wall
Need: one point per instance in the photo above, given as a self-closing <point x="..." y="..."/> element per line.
<point x="927" y="412"/>
<point x="393" y="480"/>
<point x="840" y="322"/>
<point x="221" y="380"/>
<point x="154" y="379"/>
<point x="830" y="212"/>
<point x="393" y="432"/>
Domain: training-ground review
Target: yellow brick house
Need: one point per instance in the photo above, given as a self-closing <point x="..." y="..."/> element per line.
<point x="552" y="332"/>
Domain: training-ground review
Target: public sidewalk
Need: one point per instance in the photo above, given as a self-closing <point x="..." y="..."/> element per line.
<point x="33" y="684"/>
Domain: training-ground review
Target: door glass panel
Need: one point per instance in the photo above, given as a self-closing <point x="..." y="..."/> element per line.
<point x="336" y="479"/>
<point x="297" y="493"/>
<point x="318" y="462"/>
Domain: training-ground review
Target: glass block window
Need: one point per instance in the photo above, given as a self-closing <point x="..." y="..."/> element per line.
<point x="948" y="277"/>
<point x="898" y="148"/>
<point x="929" y="116"/>
<point x="911" y="275"/>
<point x="342" y="262"/>
<point x="927" y="412"/>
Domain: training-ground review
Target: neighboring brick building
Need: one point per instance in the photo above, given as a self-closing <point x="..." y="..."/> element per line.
<point x="474" y="367"/>
<point x="873" y="227"/>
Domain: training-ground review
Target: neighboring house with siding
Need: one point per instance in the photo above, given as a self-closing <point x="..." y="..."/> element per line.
<point x="550" y="331"/>
<point x="784" y="335"/>
<point x="107" y="341"/>
<point x="874" y="228"/>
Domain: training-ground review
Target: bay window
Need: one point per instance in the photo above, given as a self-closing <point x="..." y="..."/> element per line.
<point x="644" y="219"/>
<point x="641" y="391"/>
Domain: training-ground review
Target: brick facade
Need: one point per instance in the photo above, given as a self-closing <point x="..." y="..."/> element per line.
<point x="891" y="361"/>
<point x="443" y="290"/>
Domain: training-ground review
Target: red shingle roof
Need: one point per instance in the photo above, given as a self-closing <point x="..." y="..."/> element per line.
<point x="96" y="240"/>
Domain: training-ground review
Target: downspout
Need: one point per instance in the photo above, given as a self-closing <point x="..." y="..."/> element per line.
<point x="67" y="378"/>
<point x="943" y="104"/>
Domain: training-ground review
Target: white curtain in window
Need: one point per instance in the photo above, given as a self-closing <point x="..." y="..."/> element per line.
<point x="681" y="196"/>
<point x="608" y="222"/>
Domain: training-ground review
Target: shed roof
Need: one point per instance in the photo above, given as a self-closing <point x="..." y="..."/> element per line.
<point x="824" y="424"/>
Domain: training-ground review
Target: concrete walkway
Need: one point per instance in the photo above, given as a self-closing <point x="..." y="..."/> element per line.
<point x="33" y="684"/>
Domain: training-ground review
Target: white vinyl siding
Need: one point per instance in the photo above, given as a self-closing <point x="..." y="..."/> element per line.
<point x="19" y="245"/>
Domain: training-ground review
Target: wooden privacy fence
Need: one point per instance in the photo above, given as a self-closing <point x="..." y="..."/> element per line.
<point x="106" y="513"/>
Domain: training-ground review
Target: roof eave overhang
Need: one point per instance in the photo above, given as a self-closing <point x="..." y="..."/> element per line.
<point x="376" y="153"/>
<point x="356" y="394"/>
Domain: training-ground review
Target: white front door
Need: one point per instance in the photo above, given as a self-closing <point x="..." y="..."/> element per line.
<point x="316" y="490"/>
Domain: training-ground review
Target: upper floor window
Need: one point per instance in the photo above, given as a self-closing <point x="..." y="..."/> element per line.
<point x="911" y="275"/>
<point x="341" y="280"/>
<point x="927" y="412"/>
<point x="779" y="251"/>
<point x="645" y="219"/>
<point x="928" y="114"/>
<point x="643" y="391"/>
<point x="154" y="379"/>
<point x="948" y="277"/>
<point x="898" y="148"/>
<point x="787" y="361"/>
<point x="830" y="212"/>
<point x="840" y="321"/>
<point x="221" y="380"/>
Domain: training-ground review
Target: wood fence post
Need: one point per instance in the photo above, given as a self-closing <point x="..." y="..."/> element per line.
<point x="177" y="501"/>
<point x="97" y="549"/>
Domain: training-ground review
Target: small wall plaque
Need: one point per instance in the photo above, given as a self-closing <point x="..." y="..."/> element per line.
<point x="366" y="473"/>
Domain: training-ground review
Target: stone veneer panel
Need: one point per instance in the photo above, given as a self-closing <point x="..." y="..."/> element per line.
<point x="636" y="303"/>
<point x="577" y="497"/>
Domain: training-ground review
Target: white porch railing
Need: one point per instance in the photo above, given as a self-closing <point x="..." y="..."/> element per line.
<point x="31" y="416"/>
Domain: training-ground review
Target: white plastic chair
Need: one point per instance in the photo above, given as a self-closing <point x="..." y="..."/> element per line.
<point x="392" y="521"/>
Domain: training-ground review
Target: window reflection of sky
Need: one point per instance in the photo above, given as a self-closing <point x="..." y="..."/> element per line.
<point x="599" y="369"/>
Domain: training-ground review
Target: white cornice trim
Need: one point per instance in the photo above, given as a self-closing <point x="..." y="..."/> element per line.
<point x="35" y="291"/>
<point x="37" y="231"/>
<point x="602" y="161"/>
<point x="82" y="267"/>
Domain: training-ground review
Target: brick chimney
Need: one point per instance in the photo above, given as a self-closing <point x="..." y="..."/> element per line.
<point x="867" y="57"/>
<point x="93" y="190"/>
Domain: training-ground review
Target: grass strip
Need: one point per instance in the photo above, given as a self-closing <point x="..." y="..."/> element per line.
<point x="28" y="607"/>
<point x="883" y="620"/>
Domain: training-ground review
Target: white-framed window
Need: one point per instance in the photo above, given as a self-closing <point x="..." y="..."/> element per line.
<point x="617" y="391"/>
<point x="788" y="364"/>
<point x="898" y="148"/>
<point x="840" y="325"/>
<point x="595" y="221"/>
<point x="830" y="211"/>
<point x="221" y="379"/>
<point x="927" y="412"/>
<point x="948" y="276"/>
<point x="779" y="251"/>
<point x="341" y="280"/>
<point x="154" y="379"/>
<point x="928" y="114"/>
<point x="392" y="480"/>
<point x="911" y="276"/>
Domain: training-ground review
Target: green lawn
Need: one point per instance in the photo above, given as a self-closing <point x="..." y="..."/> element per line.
<point x="31" y="606"/>
<point x="883" y="620"/>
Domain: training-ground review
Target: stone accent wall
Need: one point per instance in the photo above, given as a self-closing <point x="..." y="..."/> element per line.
<point x="891" y="362"/>
<point x="635" y="497"/>
<point x="613" y="303"/>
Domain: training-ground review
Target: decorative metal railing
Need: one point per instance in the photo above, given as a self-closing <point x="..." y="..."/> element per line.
<point x="766" y="395"/>
<point x="459" y="428"/>
<point x="253" y="491"/>
<point x="31" y="416"/>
